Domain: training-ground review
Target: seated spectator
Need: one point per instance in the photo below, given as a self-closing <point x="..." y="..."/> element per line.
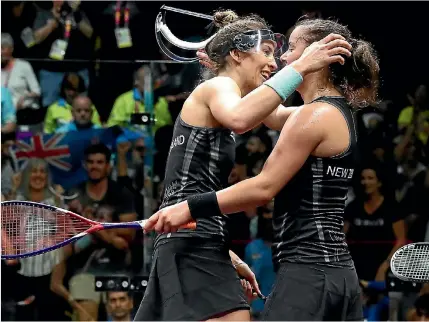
<point x="60" y="112"/>
<point x="374" y="225"/>
<point x="7" y="167"/>
<point x="410" y="192"/>
<point x="417" y="114"/>
<point x="258" y="147"/>
<point x="8" y="115"/>
<point x="18" y="76"/>
<point x="420" y="311"/>
<point x="162" y="140"/>
<point x="376" y="301"/>
<point x="49" y="28"/>
<point x="34" y="184"/>
<point x="105" y="252"/>
<point x="82" y="113"/>
<point x="70" y="274"/>
<point x="259" y="258"/>
<point x="34" y="272"/>
<point x="133" y="102"/>
<point x="119" y="306"/>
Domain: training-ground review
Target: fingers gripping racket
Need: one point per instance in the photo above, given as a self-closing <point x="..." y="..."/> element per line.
<point x="411" y="263"/>
<point x="31" y="228"/>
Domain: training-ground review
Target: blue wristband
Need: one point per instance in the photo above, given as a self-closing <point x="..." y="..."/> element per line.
<point x="285" y="82"/>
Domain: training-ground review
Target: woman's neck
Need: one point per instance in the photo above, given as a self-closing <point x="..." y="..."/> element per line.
<point x="37" y="195"/>
<point x="314" y="87"/>
<point x="8" y="63"/>
<point x="374" y="197"/>
<point x="234" y="75"/>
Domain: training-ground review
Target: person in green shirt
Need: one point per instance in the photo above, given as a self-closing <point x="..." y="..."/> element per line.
<point x="133" y="102"/>
<point x="60" y="112"/>
<point x="417" y="114"/>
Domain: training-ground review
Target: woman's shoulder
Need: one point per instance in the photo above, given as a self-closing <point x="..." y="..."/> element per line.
<point x="219" y="83"/>
<point x="214" y="86"/>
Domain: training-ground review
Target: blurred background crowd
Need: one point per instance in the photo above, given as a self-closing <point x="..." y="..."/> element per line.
<point x="71" y="77"/>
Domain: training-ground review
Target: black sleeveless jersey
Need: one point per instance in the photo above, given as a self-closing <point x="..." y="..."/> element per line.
<point x="200" y="160"/>
<point x="308" y="215"/>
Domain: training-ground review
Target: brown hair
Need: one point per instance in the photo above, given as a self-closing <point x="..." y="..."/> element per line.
<point x="358" y="78"/>
<point x="230" y="25"/>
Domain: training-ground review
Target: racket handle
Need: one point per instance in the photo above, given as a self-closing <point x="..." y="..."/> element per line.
<point x="190" y="225"/>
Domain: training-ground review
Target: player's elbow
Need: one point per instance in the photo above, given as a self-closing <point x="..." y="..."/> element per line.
<point x="266" y="192"/>
<point x="238" y="125"/>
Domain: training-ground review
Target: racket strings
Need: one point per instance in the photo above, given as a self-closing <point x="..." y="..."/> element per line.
<point x="28" y="228"/>
<point x="413" y="263"/>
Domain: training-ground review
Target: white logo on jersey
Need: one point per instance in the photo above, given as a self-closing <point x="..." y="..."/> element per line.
<point x="340" y="172"/>
<point x="232" y="136"/>
<point x="179" y="140"/>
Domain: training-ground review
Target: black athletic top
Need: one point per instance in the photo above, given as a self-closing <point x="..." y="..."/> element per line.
<point x="200" y="160"/>
<point x="308" y="215"/>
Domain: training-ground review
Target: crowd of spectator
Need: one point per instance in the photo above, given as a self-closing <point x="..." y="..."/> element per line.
<point x="386" y="207"/>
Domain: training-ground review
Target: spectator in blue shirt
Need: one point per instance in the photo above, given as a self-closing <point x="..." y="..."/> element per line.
<point x="259" y="257"/>
<point x="82" y="116"/>
<point x="8" y="112"/>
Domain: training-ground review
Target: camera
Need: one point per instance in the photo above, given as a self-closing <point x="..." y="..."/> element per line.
<point x="142" y="119"/>
<point x="121" y="283"/>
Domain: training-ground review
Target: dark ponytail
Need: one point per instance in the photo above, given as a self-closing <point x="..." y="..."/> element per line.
<point x="358" y="78"/>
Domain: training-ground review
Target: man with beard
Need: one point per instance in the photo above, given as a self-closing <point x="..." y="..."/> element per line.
<point x="100" y="190"/>
<point x="105" y="253"/>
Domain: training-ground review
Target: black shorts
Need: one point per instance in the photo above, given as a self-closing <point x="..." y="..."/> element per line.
<point x="309" y="292"/>
<point x="190" y="282"/>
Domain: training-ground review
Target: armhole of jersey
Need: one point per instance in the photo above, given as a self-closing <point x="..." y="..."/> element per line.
<point x="351" y="127"/>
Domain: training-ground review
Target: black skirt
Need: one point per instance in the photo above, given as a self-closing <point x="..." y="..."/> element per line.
<point x="312" y="292"/>
<point x="190" y="280"/>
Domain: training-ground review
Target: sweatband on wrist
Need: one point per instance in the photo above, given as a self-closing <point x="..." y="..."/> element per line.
<point x="204" y="205"/>
<point x="285" y="82"/>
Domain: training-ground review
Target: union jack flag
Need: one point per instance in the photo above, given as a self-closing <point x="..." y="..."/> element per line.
<point x="45" y="148"/>
<point x="64" y="152"/>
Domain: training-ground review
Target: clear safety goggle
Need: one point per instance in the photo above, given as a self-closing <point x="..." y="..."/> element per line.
<point x="251" y="40"/>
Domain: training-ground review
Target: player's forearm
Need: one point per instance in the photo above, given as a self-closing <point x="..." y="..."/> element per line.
<point x="262" y="101"/>
<point x="254" y="108"/>
<point x="243" y="195"/>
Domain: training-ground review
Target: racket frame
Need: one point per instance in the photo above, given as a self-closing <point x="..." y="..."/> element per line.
<point x="95" y="226"/>
<point x="398" y="254"/>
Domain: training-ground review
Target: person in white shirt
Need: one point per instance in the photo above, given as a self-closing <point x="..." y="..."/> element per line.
<point x="18" y="76"/>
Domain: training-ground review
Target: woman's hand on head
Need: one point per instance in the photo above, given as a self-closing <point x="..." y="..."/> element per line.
<point x="204" y="59"/>
<point x="322" y="53"/>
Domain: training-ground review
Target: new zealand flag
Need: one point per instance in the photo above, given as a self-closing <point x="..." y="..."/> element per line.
<point x="64" y="152"/>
